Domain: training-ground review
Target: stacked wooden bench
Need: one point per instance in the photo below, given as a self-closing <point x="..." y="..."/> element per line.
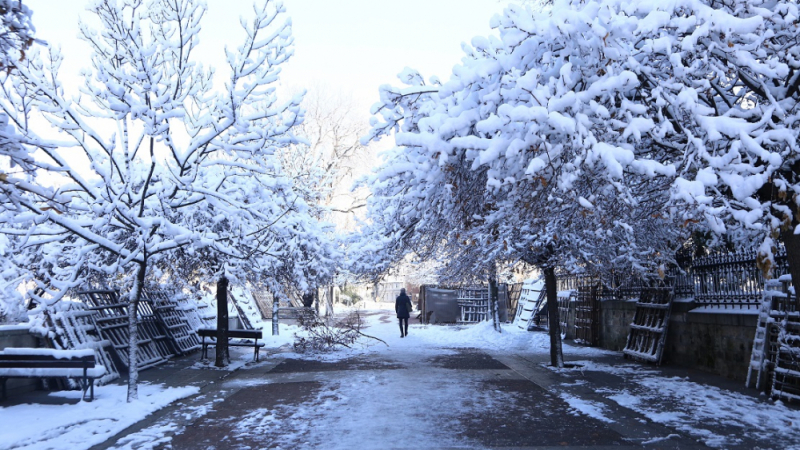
<point x="252" y="335"/>
<point x="51" y="363"/>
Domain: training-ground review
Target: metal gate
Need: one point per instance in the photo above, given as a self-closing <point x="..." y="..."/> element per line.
<point x="587" y="316"/>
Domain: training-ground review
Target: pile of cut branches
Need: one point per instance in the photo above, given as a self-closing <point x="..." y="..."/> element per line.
<point x="328" y="334"/>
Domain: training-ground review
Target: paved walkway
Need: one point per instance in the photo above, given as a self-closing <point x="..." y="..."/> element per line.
<point x="407" y="398"/>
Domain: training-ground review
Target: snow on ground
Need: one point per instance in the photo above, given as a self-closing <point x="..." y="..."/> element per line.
<point x="437" y="338"/>
<point x="696" y="408"/>
<point x="677" y="403"/>
<point x="715" y="416"/>
<point x="367" y="409"/>
<point x="82" y="425"/>
<point x="589" y="408"/>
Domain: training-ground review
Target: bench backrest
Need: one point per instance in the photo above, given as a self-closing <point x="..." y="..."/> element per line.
<point x="232" y="333"/>
<point x="45" y="361"/>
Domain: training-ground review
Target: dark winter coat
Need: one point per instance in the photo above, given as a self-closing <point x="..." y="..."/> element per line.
<point x="402" y="306"/>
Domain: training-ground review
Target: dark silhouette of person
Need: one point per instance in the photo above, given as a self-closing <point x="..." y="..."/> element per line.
<point x="403" y="307"/>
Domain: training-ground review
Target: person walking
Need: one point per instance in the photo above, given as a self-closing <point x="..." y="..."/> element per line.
<point x="403" y="307"/>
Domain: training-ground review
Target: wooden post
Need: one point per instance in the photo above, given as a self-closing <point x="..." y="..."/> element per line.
<point x="275" y="318"/>
<point x="222" y="322"/>
<point x="493" y="301"/>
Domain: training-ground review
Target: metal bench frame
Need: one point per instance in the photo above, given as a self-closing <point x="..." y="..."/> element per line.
<point x="211" y="333"/>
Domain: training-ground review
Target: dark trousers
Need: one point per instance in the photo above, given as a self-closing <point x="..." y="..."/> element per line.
<point x="402" y="321"/>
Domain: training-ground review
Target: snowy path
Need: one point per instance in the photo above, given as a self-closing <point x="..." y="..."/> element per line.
<point x="446" y="387"/>
<point x="441" y="387"/>
<point x="409" y="395"/>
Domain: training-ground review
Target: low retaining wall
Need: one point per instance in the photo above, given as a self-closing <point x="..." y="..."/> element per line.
<point x="719" y="342"/>
<point x="18" y="336"/>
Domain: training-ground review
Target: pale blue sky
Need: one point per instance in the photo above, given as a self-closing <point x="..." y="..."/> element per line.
<point x="350" y="46"/>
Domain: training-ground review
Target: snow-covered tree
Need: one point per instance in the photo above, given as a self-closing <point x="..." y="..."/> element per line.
<point x="539" y="148"/>
<point x="16" y="164"/>
<point x="16" y="33"/>
<point x="724" y="79"/>
<point x="147" y="144"/>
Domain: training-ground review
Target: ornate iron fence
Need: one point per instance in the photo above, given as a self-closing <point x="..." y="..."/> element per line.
<point x="732" y="280"/>
<point x="724" y="280"/>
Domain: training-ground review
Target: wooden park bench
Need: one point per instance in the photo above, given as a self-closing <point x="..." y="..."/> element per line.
<point x="252" y="335"/>
<point x="51" y="363"/>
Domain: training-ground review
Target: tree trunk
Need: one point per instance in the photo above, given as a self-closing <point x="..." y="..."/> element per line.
<point x="329" y="302"/>
<point x="493" y="304"/>
<point x="276" y="303"/>
<point x="133" y="332"/>
<point x="316" y="299"/>
<point x="792" y="243"/>
<point x="556" y="355"/>
<point x="222" y="321"/>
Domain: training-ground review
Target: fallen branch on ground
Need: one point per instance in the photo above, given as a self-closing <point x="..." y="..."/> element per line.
<point x="327" y="335"/>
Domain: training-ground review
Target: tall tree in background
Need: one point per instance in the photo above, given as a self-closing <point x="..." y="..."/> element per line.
<point x="148" y="142"/>
<point x="330" y="156"/>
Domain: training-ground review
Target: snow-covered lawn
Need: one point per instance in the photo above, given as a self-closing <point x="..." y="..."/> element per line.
<point x="82" y="425"/>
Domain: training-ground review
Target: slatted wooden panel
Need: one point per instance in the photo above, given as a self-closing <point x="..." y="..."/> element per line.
<point x="242" y="316"/>
<point x="112" y="319"/>
<point x="514" y="294"/>
<point x="263" y="301"/>
<point x="783" y="346"/>
<point x="648" y="332"/>
<point x="587" y="316"/>
<point x="75" y="329"/>
<point x="540" y="313"/>
<point x="173" y="320"/>
<point x="564" y="299"/>
<point x="786" y="373"/>
<point x="474" y="304"/>
<point x="152" y="326"/>
<point x="526" y="305"/>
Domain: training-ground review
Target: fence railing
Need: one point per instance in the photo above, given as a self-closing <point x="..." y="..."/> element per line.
<point x="726" y="280"/>
<point x="732" y="280"/>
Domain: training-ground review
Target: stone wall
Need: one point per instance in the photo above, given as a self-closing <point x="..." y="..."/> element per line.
<point x="719" y="342"/>
<point x="615" y="318"/>
<point x="18" y="336"/>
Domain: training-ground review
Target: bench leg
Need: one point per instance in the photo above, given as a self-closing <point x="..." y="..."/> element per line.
<point x="204" y="351"/>
<point x="84" y="384"/>
<point x="255" y="356"/>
